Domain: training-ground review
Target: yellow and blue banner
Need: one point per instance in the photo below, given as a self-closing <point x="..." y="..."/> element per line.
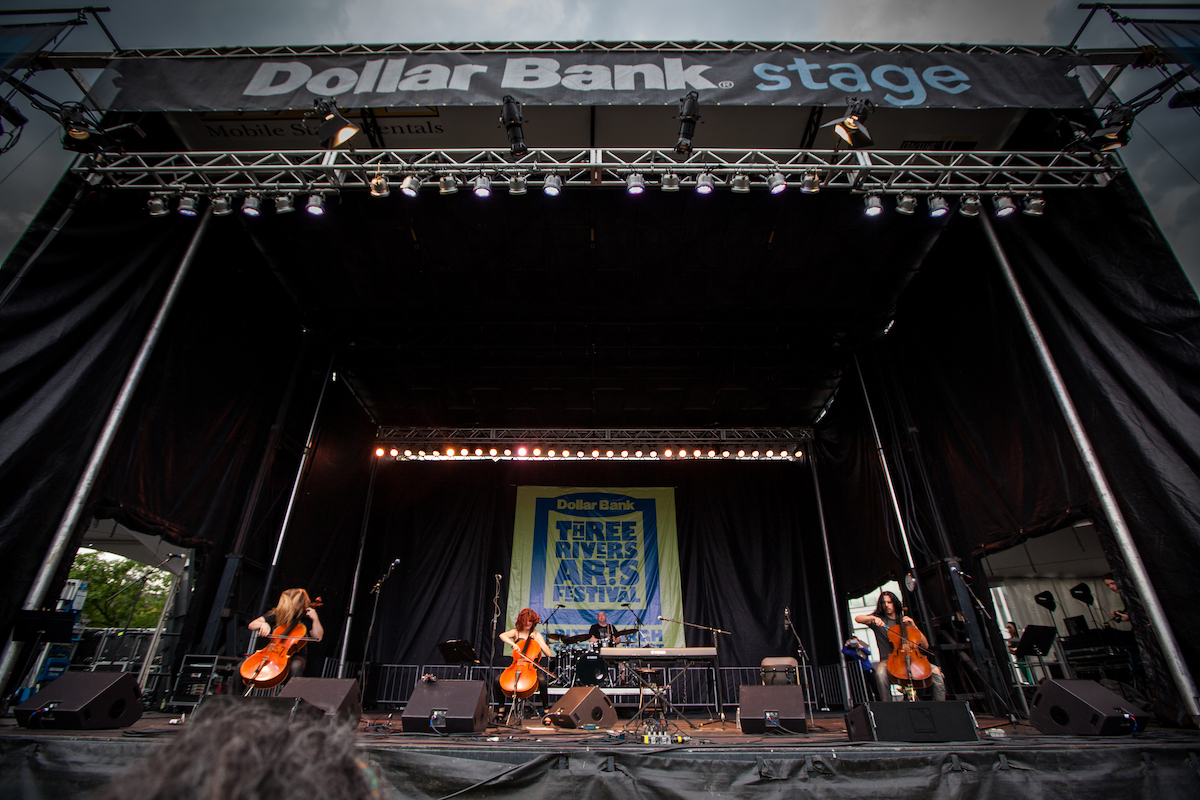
<point x="591" y="550"/>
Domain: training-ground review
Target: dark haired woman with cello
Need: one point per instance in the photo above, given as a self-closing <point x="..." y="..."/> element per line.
<point x="293" y="608"/>
<point x="886" y="620"/>
<point x="528" y="645"/>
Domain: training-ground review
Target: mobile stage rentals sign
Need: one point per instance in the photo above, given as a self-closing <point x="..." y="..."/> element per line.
<point x="593" y="550"/>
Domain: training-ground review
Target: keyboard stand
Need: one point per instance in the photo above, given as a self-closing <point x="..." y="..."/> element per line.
<point x="657" y="692"/>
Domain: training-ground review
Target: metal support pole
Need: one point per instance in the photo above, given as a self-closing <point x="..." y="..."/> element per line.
<point x="291" y="504"/>
<point x="362" y="544"/>
<point x="162" y="621"/>
<point x="833" y="594"/>
<point x="1108" y="501"/>
<point x="74" y="510"/>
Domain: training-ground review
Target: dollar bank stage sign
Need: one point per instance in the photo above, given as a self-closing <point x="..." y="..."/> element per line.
<point x="593" y="550"/>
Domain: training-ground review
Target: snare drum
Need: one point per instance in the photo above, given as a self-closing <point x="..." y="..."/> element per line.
<point x="591" y="671"/>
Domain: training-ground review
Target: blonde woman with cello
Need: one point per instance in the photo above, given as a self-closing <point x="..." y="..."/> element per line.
<point x="293" y="609"/>
<point x="886" y="621"/>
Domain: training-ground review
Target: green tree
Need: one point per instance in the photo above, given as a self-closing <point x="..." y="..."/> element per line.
<point x="107" y="606"/>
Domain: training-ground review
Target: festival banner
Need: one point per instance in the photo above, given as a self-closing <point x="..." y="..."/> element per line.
<point x="898" y="79"/>
<point x="580" y="551"/>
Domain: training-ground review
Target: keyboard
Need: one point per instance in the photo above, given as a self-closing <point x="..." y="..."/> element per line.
<point x="658" y="653"/>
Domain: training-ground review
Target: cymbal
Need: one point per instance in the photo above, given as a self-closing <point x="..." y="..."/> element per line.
<point x="554" y="637"/>
<point x="627" y="632"/>
<point x="565" y="639"/>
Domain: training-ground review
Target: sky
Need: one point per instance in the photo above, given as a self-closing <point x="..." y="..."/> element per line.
<point x="1163" y="156"/>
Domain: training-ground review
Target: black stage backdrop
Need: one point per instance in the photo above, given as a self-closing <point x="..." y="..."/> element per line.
<point x="747" y="532"/>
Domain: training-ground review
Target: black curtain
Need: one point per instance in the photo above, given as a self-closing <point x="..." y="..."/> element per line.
<point x="746" y="534"/>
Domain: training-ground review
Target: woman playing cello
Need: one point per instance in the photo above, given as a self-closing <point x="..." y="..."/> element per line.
<point x="293" y="607"/>
<point x="888" y="615"/>
<point x="526" y="643"/>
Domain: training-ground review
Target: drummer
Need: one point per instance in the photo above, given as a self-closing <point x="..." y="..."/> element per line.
<point x="602" y="631"/>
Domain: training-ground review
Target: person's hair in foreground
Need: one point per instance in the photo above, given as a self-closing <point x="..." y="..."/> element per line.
<point x="244" y="750"/>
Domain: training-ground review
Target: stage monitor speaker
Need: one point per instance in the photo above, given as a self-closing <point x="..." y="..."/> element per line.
<point x="778" y="708"/>
<point x="84" y="701"/>
<point x="1083" y="708"/>
<point x="581" y="707"/>
<point x="337" y="697"/>
<point x="448" y="706"/>
<point x="944" y="721"/>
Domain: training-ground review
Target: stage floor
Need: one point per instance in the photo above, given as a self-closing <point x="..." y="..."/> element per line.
<point x="714" y="759"/>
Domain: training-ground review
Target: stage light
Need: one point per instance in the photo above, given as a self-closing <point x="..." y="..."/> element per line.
<point x="682" y="453"/>
<point x="653" y="454"/>
<point x="157" y="205"/>
<point x="595" y="454"/>
<point x="637" y="453"/>
<point x="316" y="205"/>
<point x="510" y="118"/>
<point x="187" y="205"/>
<point x="379" y="187"/>
<point x="852" y="128"/>
<point x="667" y="453"/>
<point x="579" y="454"/>
<point x="689" y="115"/>
<point x="874" y="205"/>
<point x="537" y="451"/>
<point x="1005" y="207"/>
<point x="670" y="182"/>
<point x="938" y="206"/>
<point x="478" y="451"/>
<point x="448" y="185"/>
<point x="725" y="454"/>
<point x="740" y="184"/>
<point x="552" y="185"/>
<point x="252" y="205"/>
<point x="799" y="454"/>
<point x="517" y="185"/>
<point x="776" y="183"/>
<point x="810" y="183"/>
<point x="410" y="185"/>
<point x="712" y="453"/>
<point x="741" y="454"/>
<point x="624" y="454"/>
<point x="449" y="451"/>
<point x="550" y="454"/>
<point x="283" y="203"/>
<point x="507" y="452"/>
<point x="635" y="183"/>
<point x="421" y="453"/>
<point x="408" y="453"/>
<point x="379" y="451"/>
<point x="221" y="205"/>
<point x="77" y="126"/>
<point x="482" y="186"/>
<point x="770" y="454"/>
<point x="394" y="452"/>
<point x="696" y="453"/>
<point x="521" y="451"/>
<point x="969" y="207"/>
<point x="334" y="130"/>
<point x="906" y="204"/>
<point x="1035" y="204"/>
<point x="704" y="183"/>
<point x="754" y="454"/>
<point x="609" y="454"/>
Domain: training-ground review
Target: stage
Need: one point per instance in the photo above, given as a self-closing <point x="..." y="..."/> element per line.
<point x="714" y="759"/>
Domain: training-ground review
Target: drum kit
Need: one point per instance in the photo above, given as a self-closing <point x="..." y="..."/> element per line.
<point x="579" y="661"/>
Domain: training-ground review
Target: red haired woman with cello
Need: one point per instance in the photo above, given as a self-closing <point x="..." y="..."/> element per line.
<point x="528" y="645"/>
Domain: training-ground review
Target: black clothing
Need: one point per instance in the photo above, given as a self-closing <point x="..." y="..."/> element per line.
<point x="599" y="631"/>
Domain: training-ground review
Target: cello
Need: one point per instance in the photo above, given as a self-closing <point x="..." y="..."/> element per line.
<point x="906" y="665"/>
<point x="268" y="666"/>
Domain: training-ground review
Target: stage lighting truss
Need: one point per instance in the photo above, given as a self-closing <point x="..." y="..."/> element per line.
<point x="575" y="444"/>
<point x="922" y="173"/>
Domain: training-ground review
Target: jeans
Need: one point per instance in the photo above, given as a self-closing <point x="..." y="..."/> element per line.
<point x="884" y="682"/>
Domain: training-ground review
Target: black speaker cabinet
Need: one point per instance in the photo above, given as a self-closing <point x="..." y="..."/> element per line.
<point x="583" y="706"/>
<point x="944" y="721"/>
<point x="1083" y="708"/>
<point x="337" y="697"/>
<point x="764" y="708"/>
<point x="84" y="701"/>
<point x="449" y="706"/>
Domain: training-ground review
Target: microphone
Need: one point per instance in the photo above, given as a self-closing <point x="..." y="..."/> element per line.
<point x="787" y="618"/>
<point x="660" y="619"/>
<point x="624" y="605"/>
<point x="560" y="605"/>
<point x="497" y="577"/>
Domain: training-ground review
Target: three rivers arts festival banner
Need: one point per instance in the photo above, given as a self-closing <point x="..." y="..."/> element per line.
<point x="593" y="550"/>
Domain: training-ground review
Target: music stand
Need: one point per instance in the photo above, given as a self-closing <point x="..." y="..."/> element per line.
<point x="1036" y="641"/>
<point x="44" y="626"/>
<point x="458" y="651"/>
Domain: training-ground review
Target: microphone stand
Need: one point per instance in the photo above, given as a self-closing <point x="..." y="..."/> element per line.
<point x="362" y="691"/>
<point x="641" y="637"/>
<point x="491" y="691"/>
<point x="809" y="700"/>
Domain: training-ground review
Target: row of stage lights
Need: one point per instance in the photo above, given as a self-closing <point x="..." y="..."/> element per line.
<point x="536" y="454"/>
<point x="970" y="204"/>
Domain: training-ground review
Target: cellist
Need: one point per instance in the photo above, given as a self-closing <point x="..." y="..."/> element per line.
<point x="293" y="606"/>
<point x="889" y="613"/>
<point x="516" y="638"/>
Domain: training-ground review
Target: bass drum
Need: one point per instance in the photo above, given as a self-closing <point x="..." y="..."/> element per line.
<point x="591" y="670"/>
